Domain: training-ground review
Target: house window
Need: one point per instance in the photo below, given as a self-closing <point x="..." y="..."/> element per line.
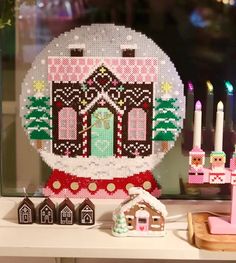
<point x="142" y="220"/>
<point x="67" y="124"/>
<point x="137" y="119"/>
<point x="128" y="53"/>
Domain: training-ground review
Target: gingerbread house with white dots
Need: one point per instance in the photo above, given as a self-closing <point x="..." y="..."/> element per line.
<point x="116" y="108"/>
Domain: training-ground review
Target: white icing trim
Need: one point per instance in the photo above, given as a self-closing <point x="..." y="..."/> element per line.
<point x="156" y="226"/>
<point x="75" y="46"/>
<point x="142" y="195"/>
<point x="107" y="98"/>
<point x="110" y="167"/>
<point x="128" y="46"/>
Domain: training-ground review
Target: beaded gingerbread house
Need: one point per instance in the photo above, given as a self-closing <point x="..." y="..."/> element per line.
<point x="106" y="104"/>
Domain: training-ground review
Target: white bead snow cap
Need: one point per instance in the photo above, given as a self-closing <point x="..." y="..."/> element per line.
<point x="142" y="195"/>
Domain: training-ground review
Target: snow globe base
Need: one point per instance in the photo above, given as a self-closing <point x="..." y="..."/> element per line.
<point x="62" y="184"/>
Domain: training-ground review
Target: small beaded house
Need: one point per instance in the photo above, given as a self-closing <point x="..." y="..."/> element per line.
<point x="86" y="212"/>
<point x="26" y="212"/>
<point x="66" y="212"/>
<point x="47" y="212"/>
<point x="140" y="215"/>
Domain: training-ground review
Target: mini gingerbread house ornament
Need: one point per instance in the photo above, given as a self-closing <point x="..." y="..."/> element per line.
<point x="66" y="212"/>
<point x="86" y="212"/>
<point x="140" y="215"/>
<point x="26" y="212"/>
<point x="47" y="212"/>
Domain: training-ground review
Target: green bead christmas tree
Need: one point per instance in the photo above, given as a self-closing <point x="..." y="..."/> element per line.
<point x="38" y="116"/>
<point x="120" y="226"/>
<point x="165" y="118"/>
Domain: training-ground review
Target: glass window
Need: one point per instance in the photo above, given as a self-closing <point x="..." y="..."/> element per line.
<point x="198" y="36"/>
<point x="67" y="121"/>
<point x="137" y="125"/>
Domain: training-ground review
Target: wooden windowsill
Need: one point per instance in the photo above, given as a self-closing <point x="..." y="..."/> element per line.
<point x="93" y="242"/>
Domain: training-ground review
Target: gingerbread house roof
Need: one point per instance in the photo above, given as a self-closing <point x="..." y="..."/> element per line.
<point x="67" y="202"/>
<point x="47" y="202"/>
<point x="137" y="195"/>
<point x="77" y="69"/>
<point x="88" y="202"/>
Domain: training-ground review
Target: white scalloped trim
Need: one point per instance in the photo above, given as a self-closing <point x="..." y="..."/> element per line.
<point x="101" y="168"/>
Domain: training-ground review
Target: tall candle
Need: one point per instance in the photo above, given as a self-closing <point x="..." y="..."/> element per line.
<point x="190" y="106"/>
<point x="219" y="127"/>
<point x="209" y="106"/>
<point x="229" y="105"/>
<point x="197" y="131"/>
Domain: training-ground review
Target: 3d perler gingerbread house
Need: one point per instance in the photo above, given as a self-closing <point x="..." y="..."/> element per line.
<point x="140" y="215"/>
<point x="105" y="107"/>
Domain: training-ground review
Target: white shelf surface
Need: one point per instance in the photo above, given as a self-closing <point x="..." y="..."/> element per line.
<point x="85" y="242"/>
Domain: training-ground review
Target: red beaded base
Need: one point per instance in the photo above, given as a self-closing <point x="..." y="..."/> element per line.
<point x="61" y="184"/>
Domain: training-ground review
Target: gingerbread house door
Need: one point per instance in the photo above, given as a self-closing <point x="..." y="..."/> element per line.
<point x="102" y="132"/>
<point x="142" y="220"/>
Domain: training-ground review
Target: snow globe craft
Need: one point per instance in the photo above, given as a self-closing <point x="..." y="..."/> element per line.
<point x="102" y="104"/>
<point x="140" y="215"/>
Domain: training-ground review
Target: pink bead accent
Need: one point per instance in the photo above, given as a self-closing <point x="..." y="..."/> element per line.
<point x="127" y="70"/>
<point x="131" y="62"/>
<point x="67" y="124"/>
<point x="115" y="62"/>
<point x="65" y="77"/>
<point x="121" y="67"/>
<point x="57" y="61"/>
<point x="52" y="69"/>
<point x="196" y="179"/>
<point x="65" y="61"/>
<point x="139" y="62"/>
<point x="81" y="61"/>
<point x="90" y="61"/>
<point x="148" y="62"/>
<point x="143" y="70"/>
<point x="135" y="70"/>
<point x="148" y="78"/>
<point x="74" y="61"/>
<point x="86" y="70"/>
<point x="123" y="62"/>
<point x="107" y="60"/>
<point x="61" y="69"/>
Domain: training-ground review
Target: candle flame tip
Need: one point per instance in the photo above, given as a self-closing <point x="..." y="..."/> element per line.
<point x="220" y="106"/>
<point x="229" y="87"/>
<point x="209" y="86"/>
<point x="190" y="86"/>
<point x="198" y="105"/>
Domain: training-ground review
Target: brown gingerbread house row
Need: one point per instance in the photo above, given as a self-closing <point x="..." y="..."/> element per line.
<point x="48" y="213"/>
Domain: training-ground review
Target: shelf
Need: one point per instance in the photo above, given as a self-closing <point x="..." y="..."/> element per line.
<point x="86" y="242"/>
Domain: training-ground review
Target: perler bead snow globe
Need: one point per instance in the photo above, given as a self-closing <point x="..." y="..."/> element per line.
<point x="102" y="104"/>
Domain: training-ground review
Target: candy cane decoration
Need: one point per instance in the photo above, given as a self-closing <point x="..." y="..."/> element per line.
<point x="119" y="136"/>
<point x="85" y="135"/>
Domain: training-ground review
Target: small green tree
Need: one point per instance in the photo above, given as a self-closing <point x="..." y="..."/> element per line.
<point x="120" y="226"/>
<point x="38" y="125"/>
<point x="165" y="121"/>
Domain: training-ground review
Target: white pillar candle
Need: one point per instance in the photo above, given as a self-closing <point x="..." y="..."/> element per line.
<point x="197" y="131"/>
<point x="219" y="127"/>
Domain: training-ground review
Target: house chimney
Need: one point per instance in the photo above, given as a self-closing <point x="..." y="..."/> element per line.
<point x="128" y="50"/>
<point x="76" y="50"/>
